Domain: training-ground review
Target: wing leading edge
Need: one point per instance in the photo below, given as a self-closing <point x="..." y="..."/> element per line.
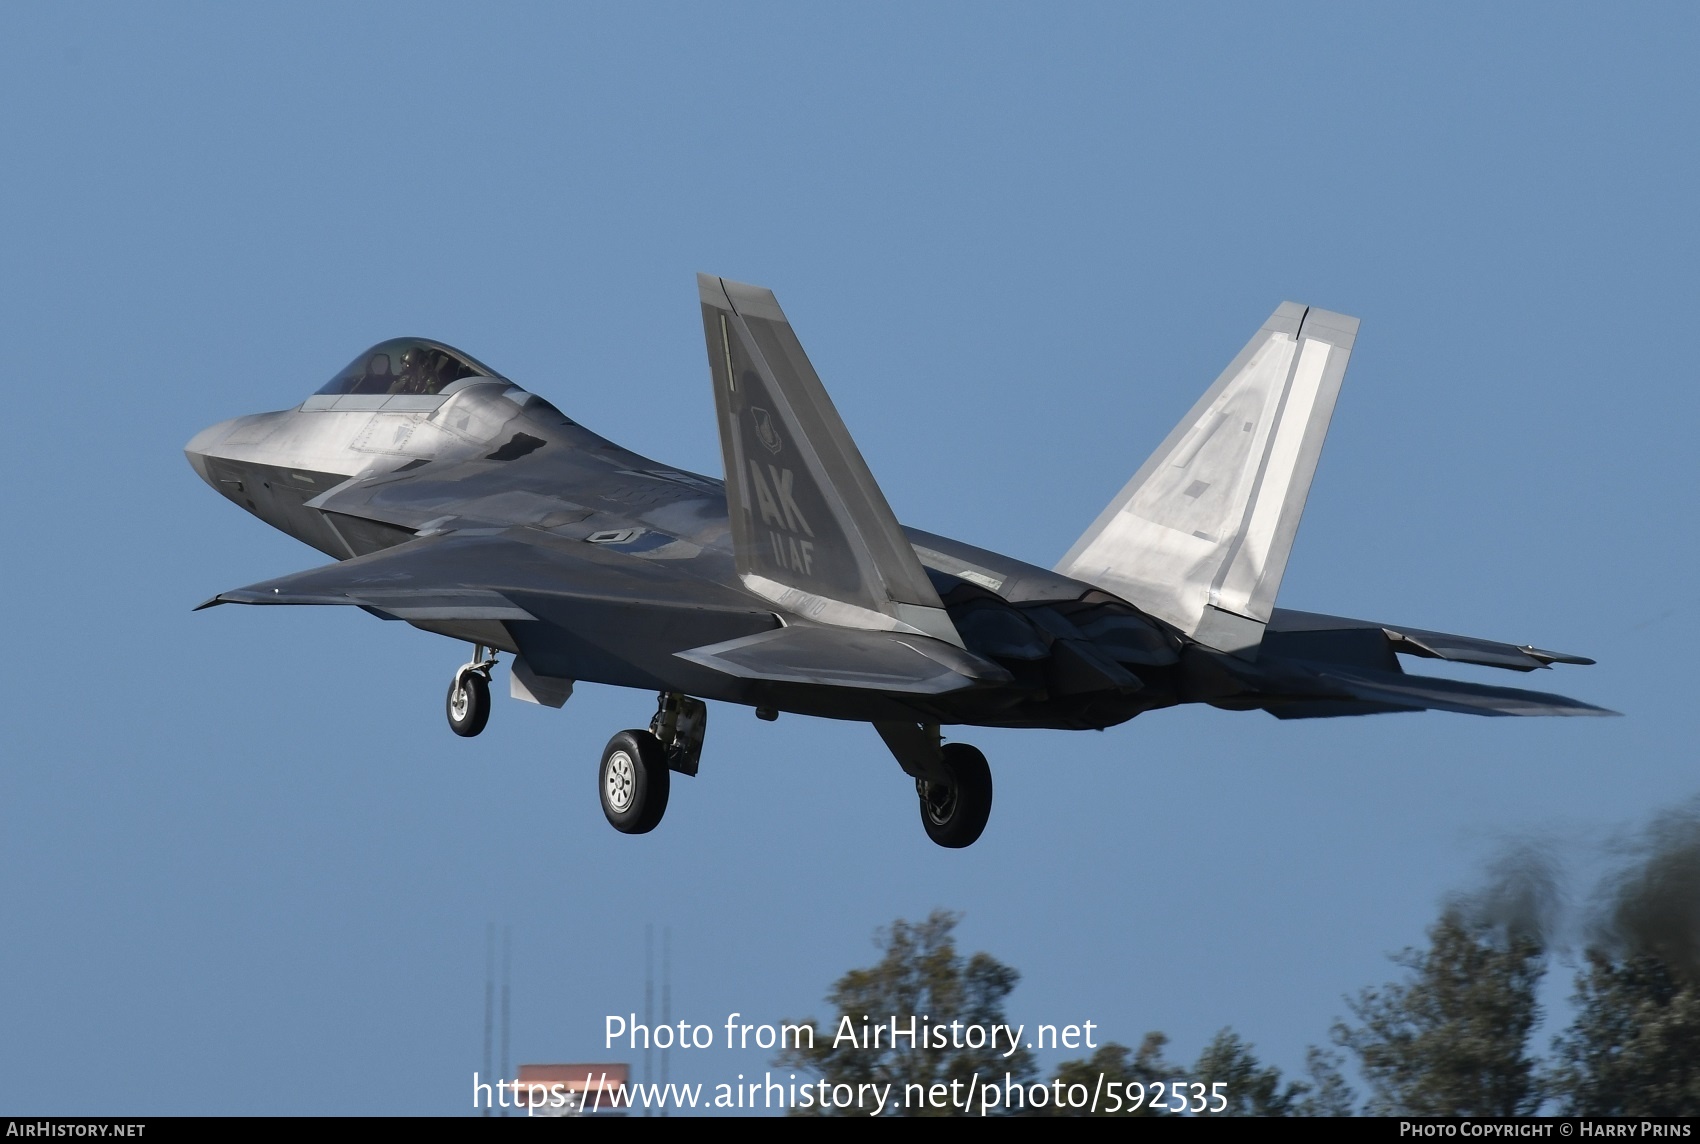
<point x="425" y="579"/>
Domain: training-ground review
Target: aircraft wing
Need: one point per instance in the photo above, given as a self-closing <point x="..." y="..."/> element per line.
<point x="481" y="574"/>
<point x="516" y="575"/>
<point x="393" y="596"/>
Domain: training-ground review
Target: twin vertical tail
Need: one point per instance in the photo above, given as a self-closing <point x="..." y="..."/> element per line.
<point x="1200" y="536"/>
<point x="811" y="530"/>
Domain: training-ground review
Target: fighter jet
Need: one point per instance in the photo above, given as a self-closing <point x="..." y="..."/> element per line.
<point x="460" y="503"/>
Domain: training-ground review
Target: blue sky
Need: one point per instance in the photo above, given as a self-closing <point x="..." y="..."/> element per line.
<point x="247" y="868"/>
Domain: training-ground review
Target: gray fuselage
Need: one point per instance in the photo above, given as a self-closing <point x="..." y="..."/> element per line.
<point x="355" y="474"/>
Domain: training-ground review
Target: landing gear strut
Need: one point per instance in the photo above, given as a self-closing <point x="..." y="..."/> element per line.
<point x="637" y="766"/>
<point x="468" y="703"/>
<point x="952" y="781"/>
<point x="679" y="724"/>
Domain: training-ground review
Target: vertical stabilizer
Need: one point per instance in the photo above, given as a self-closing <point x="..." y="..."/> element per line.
<point x="810" y="528"/>
<point x="1200" y="536"/>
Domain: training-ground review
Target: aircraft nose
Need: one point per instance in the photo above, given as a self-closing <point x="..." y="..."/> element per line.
<point x="202" y="445"/>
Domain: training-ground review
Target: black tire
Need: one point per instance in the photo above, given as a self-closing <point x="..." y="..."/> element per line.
<point x="955" y="814"/>
<point x="468" y="704"/>
<point x="634" y="782"/>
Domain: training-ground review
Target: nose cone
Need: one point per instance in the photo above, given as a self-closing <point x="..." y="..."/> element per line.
<point x="205" y="444"/>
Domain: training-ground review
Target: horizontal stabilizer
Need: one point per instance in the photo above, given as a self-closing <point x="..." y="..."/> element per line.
<point x="1366" y="692"/>
<point x="844" y="657"/>
<point x="1199" y="538"/>
<point x="1310" y="635"/>
<point x="811" y="530"/>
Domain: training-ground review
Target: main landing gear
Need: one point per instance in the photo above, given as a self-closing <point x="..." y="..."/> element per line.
<point x="636" y="773"/>
<point x="468" y="703"/>
<point x="952" y="781"/>
<point x="955" y="811"/>
<point x="953" y="784"/>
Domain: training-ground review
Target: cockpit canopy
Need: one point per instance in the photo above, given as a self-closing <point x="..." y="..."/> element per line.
<point x="411" y="366"/>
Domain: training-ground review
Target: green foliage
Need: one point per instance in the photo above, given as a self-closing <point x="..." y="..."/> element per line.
<point x="1329" y="1093"/>
<point x="1452" y="1041"/>
<point x="1251" y="1089"/>
<point x="1634" y="1045"/>
<point x="920" y="973"/>
<point x="1120" y="1065"/>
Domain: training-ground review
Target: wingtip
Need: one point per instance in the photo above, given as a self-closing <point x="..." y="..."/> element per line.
<point x="1551" y="657"/>
<point x="212" y="603"/>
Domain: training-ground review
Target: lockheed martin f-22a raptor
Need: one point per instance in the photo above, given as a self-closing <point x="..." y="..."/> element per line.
<point x="458" y="502"/>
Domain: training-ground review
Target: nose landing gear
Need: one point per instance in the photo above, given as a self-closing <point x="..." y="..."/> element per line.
<point x="468" y="702"/>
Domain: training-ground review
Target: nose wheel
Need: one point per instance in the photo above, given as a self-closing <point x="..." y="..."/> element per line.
<point x="468" y="702"/>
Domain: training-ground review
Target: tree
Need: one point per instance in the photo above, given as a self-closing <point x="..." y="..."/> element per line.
<point x="1251" y="1089"/>
<point x="1329" y="1093"/>
<point x="1631" y="1050"/>
<point x="1452" y="1041"/>
<point x="1116" y="1064"/>
<point x="921" y="977"/>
